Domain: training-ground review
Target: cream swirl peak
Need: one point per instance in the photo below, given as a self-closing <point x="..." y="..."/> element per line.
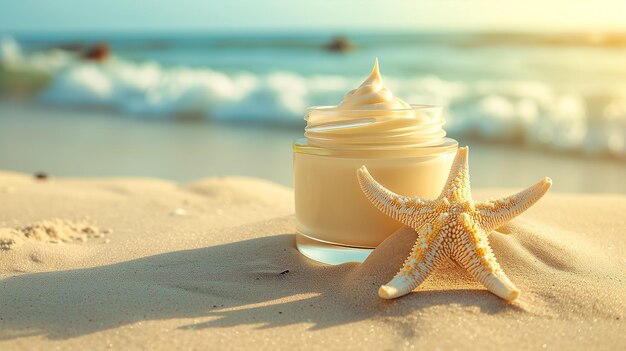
<point x="372" y="95"/>
<point x="370" y="117"/>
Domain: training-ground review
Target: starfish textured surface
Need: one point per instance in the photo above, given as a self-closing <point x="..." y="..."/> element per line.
<point x="452" y="226"/>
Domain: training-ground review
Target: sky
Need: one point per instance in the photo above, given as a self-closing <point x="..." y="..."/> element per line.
<point x="246" y="15"/>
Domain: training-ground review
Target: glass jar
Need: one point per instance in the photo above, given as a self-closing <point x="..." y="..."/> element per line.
<point x="405" y="150"/>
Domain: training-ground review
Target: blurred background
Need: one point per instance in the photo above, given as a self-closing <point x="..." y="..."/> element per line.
<point x="190" y="89"/>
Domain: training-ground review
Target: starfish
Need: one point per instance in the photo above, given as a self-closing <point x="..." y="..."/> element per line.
<point x="452" y="226"/>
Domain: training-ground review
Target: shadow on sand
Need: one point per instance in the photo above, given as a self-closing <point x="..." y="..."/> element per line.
<point x="237" y="283"/>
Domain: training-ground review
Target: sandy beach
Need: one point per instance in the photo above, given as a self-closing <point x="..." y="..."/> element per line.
<point x="167" y="171"/>
<point x="138" y="263"/>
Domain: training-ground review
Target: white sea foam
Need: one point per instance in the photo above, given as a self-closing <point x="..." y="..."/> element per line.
<point x="533" y="112"/>
<point x="10" y="51"/>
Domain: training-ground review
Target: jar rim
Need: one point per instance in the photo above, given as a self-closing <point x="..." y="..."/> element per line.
<point x="332" y="127"/>
<point x="303" y="145"/>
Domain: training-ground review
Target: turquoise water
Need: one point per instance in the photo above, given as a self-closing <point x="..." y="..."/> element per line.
<point x="565" y="92"/>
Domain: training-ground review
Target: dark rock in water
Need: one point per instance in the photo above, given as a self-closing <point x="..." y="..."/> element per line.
<point x="41" y="175"/>
<point x="98" y="52"/>
<point x="339" y="44"/>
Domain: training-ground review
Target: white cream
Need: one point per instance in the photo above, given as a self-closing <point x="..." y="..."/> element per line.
<point x="372" y="95"/>
<point x="371" y="117"/>
<point x="404" y="146"/>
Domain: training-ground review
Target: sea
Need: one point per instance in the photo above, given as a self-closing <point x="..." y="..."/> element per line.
<point x="563" y="92"/>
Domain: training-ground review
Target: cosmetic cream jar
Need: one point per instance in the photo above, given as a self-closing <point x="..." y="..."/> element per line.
<point x="406" y="150"/>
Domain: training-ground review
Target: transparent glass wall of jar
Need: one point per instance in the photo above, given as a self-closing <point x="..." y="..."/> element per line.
<point x="406" y="151"/>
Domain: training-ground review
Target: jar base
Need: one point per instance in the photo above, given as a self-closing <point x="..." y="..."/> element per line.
<point x="324" y="252"/>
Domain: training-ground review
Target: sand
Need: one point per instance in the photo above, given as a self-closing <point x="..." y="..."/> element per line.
<point x="212" y="265"/>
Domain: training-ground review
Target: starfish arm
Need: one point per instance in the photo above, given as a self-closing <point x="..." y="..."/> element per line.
<point x="415" y="270"/>
<point x="426" y="254"/>
<point x="411" y="211"/>
<point x="475" y="255"/>
<point x="494" y="213"/>
<point x="457" y="187"/>
<point x="500" y="285"/>
<point x="491" y="276"/>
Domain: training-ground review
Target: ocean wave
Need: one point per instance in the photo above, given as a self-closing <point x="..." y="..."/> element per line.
<point x="532" y="112"/>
